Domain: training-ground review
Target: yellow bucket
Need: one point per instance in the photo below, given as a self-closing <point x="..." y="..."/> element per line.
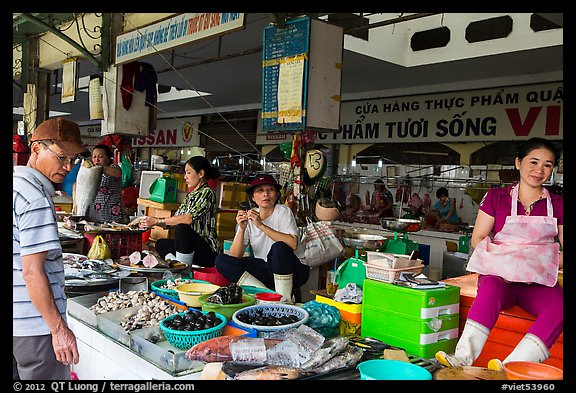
<point x="190" y="293"/>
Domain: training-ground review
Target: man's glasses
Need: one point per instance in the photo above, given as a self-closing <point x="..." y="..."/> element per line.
<point x="63" y="160"/>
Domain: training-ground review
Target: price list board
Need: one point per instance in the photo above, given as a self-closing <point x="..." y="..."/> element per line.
<point x="284" y="75"/>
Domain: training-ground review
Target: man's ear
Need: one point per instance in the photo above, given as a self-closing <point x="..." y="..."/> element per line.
<point x="35" y="147"/>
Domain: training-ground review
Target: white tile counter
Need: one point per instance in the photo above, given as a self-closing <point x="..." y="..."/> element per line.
<point x="103" y="358"/>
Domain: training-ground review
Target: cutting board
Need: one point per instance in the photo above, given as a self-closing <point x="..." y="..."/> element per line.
<point x="468" y="373"/>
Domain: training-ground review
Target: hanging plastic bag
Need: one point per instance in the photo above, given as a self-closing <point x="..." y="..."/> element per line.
<point x="127" y="176"/>
<point x="321" y="243"/>
<point x="99" y="249"/>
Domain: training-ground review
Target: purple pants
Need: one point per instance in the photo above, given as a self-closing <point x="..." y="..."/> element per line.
<point x="545" y="303"/>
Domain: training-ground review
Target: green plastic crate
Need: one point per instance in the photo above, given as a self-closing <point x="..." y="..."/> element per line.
<point x="374" y="319"/>
<point x="426" y="351"/>
<point x="417" y="303"/>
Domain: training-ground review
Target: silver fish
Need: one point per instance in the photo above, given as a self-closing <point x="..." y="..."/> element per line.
<point x="331" y="348"/>
<point x="349" y="357"/>
<point x="271" y="372"/>
<point x="87" y="184"/>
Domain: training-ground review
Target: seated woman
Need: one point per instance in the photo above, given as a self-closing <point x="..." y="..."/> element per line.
<point x="272" y="232"/>
<point x="445" y="207"/>
<point x="195" y="220"/>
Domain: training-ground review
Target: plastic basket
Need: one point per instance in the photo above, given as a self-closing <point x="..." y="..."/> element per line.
<point x="226" y="309"/>
<point x="277" y="310"/>
<point x="120" y="243"/>
<point x="157" y="287"/>
<point x="184" y="339"/>
<point x="391" y="261"/>
<point x="388" y="275"/>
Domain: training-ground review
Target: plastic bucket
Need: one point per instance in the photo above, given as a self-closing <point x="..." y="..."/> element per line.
<point x="384" y="369"/>
<point x="211" y="275"/>
<point x="268" y="297"/>
<point x="146" y="236"/>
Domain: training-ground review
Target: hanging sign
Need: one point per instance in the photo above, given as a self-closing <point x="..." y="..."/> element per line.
<point x="68" y="81"/>
<point x="284" y="75"/>
<point x="175" y="31"/>
<point x="95" y="98"/>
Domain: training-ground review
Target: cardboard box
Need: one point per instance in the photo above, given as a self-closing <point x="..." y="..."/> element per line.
<point x="231" y="194"/>
<point x="225" y="225"/>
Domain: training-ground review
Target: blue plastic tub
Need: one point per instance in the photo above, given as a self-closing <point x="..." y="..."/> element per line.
<point x="384" y="369"/>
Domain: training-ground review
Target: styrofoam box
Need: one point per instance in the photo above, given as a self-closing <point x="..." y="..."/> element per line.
<point x="391" y="261"/>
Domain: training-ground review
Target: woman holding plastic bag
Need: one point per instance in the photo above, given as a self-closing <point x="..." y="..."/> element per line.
<point x="519" y="265"/>
<point x="272" y="232"/>
<point x="99" y="185"/>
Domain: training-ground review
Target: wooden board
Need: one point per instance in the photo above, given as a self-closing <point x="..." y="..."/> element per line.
<point x="469" y="373"/>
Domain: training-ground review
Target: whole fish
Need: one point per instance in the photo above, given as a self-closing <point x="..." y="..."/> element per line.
<point x="87" y="184"/>
<point x="271" y="372"/>
<point x="231" y="368"/>
<point x="349" y="357"/>
<point x="329" y="349"/>
<point x="217" y="349"/>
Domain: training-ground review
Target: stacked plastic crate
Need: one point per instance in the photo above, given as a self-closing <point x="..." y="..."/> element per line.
<point x="421" y="321"/>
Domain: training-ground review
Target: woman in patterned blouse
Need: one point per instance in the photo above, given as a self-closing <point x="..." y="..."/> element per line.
<point x="195" y="220"/>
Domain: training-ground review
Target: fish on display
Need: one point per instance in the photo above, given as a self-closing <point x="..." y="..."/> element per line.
<point x="331" y="348"/>
<point x="349" y="357"/>
<point x="272" y="372"/>
<point x="87" y="184"/>
<point x="217" y="349"/>
<point x="233" y="367"/>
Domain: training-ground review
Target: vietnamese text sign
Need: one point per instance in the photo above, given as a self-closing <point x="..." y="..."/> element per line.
<point x="175" y="31"/>
<point x="284" y="75"/>
<point x="483" y="115"/>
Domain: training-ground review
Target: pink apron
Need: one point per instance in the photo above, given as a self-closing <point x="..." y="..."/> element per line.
<point x="523" y="251"/>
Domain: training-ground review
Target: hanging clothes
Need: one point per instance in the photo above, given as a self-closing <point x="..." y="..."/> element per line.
<point x="147" y="79"/>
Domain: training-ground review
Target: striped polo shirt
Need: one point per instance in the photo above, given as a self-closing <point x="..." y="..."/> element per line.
<point x="34" y="230"/>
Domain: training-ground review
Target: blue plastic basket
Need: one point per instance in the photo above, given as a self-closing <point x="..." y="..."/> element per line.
<point x="184" y="339"/>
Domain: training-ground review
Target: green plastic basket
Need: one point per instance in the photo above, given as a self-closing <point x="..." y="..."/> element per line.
<point x="184" y="339"/>
<point x="157" y="287"/>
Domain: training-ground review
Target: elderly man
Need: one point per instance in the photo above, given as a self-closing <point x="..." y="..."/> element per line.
<point x="43" y="346"/>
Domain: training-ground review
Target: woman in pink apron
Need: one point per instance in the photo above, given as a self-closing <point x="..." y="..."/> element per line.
<point x="519" y="264"/>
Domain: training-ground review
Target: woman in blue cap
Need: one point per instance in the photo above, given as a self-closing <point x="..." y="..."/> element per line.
<point x="271" y="230"/>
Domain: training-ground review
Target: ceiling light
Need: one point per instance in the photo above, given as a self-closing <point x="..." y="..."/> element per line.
<point x="380" y="163"/>
<point x="354" y="162"/>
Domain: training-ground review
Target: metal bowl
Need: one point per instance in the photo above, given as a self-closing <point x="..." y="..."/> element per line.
<point x="363" y="241"/>
<point x="401" y="224"/>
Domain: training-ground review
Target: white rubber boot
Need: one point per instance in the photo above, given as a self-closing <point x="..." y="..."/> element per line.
<point x="283" y="286"/>
<point x="248" y="279"/>
<point x="469" y="346"/>
<point x="185" y="258"/>
<point x="529" y="349"/>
